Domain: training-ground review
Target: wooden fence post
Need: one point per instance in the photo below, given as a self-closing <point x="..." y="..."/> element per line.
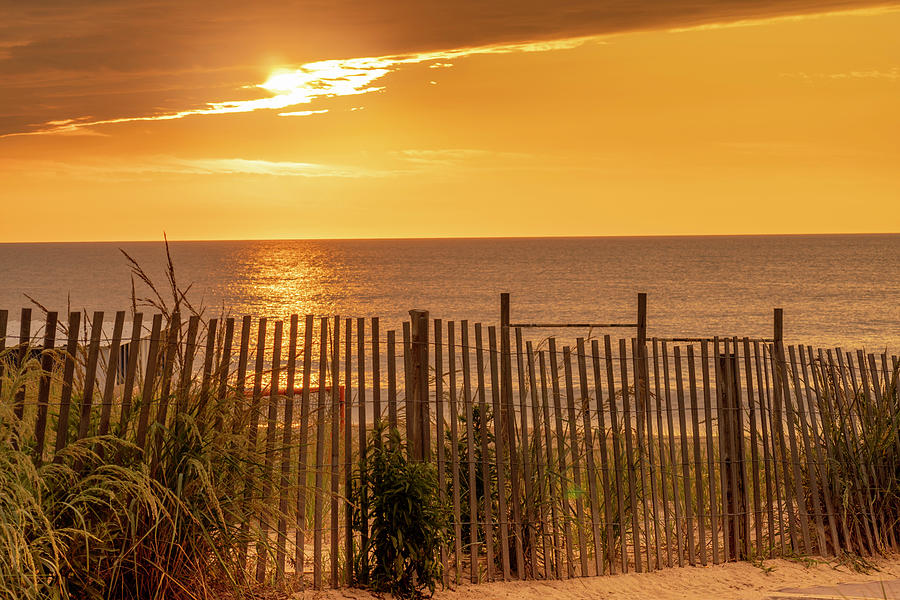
<point x="418" y="386"/>
<point x="735" y="499"/>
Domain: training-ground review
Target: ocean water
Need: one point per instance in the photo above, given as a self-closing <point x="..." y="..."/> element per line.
<point x="835" y="289"/>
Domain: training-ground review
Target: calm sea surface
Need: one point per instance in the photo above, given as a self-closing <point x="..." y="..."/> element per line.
<point x="835" y="290"/>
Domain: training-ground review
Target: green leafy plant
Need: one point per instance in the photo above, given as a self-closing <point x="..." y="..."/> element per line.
<point x="407" y="521"/>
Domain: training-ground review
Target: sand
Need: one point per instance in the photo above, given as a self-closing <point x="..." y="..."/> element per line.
<point x="738" y="581"/>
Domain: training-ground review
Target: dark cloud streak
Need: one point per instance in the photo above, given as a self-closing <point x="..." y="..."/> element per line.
<point x="63" y="59"/>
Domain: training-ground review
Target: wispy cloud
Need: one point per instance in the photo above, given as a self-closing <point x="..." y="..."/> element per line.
<point x="139" y="167"/>
<point x="461" y="157"/>
<point x="890" y="75"/>
<point x="317" y="80"/>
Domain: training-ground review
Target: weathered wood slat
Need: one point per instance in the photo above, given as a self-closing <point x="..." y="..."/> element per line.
<point x="90" y="376"/>
<point x="335" y="449"/>
<point x="754" y="450"/>
<point x="640" y="426"/>
<point x="574" y="454"/>
<point x="652" y="463"/>
<point x="486" y="461"/>
<point x="541" y="527"/>
<point x="688" y="531"/>
<point x="361" y="387"/>
<point x="629" y="454"/>
<point x="474" y="549"/>
<point x="591" y="468"/>
<point x="454" y="450"/>
<point x="206" y="376"/>
<point x="509" y="416"/>
<point x="147" y="395"/>
<point x="347" y="463"/>
<point x="608" y="497"/>
<point x="673" y="460"/>
<point x="223" y="373"/>
<point x="21" y="361"/>
<point x="764" y="549"/>
<point x="303" y="451"/>
<point x="552" y="479"/>
<point x="130" y="373"/>
<point x="286" y="450"/>
<point x="47" y="358"/>
<point x="724" y="449"/>
<point x="501" y="457"/>
<point x="65" y="395"/>
<point x="710" y="452"/>
<point x="809" y="453"/>
<point x="618" y="462"/>
<point x="530" y="525"/>
<point x="4" y="320"/>
<point x="664" y="469"/>
<point x="262" y="547"/>
<point x="562" y="473"/>
<point x="392" y="378"/>
<point x="439" y="434"/>
<point x="778" y="457"/>
<point x="320" y="454"/>
<point x="377" y="415"/>
<point x="187" y="366"/>
<point x="698" y="461"/>
<point x="814" y="414"/>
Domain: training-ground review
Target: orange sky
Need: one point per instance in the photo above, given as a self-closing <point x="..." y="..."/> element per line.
<point x="587" y="119"/>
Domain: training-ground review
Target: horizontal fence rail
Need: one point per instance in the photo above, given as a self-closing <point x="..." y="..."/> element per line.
<point x="557" y="460"/>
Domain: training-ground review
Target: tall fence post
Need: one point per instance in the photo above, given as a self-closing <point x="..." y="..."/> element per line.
<point x="642" y="379"/>
<point x="418" y="386"/>
<point x="731" y="447"/>
<point x="642" y="321"/>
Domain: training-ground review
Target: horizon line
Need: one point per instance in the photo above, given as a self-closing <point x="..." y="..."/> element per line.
<point x="452" y="237"/>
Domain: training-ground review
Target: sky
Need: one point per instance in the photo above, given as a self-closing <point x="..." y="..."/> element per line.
<point x="417" y="118"/>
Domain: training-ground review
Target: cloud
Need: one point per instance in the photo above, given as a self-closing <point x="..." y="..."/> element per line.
<point x="890" y="75"/>
<point x="307" y="83"/>
<point x="140" y="167"/>
<point x="461" y="157"/>
<point x="106" y="61"/>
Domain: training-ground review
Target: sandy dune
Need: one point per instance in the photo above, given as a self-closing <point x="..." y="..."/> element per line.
<point x="733" y="581"/>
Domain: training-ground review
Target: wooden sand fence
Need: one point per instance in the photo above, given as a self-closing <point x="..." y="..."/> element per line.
<point x="603" y="456"/>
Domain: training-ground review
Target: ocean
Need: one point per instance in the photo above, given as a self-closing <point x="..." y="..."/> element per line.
<point x="836" y="290"/>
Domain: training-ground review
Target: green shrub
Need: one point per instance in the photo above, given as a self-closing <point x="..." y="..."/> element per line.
<point x="408" y="523"/>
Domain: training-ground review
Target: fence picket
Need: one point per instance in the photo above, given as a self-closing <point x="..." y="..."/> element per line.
<point x="618" y="461"/>
<point x="664" y="469"/>
<point x="474" y="550"/>
<point x="21" y="362"/>
<point x="320" y="453"/>
<point x="485" y="457"/>
<point x="530" y="526"/>
<point x="591" y="467"/>
<point x="609" y="560"/>
<point x="454" y="449"/>
<point x="552" y="481"/>
<point x="47" y="358"/>
<point x="562" y="474"/>
<point x="65" y="395"/>
<point x="698" y="461"/>
<point x="500" y="445"/>
<point x="673" y="461"/>
<point x="303" y="453"/>
<point x="112" y="369"/>
<point x="685" y="460"/>
<point x="287" y="443"/>
<point x="271" y="424"/>
<point x="90" y="376"/>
